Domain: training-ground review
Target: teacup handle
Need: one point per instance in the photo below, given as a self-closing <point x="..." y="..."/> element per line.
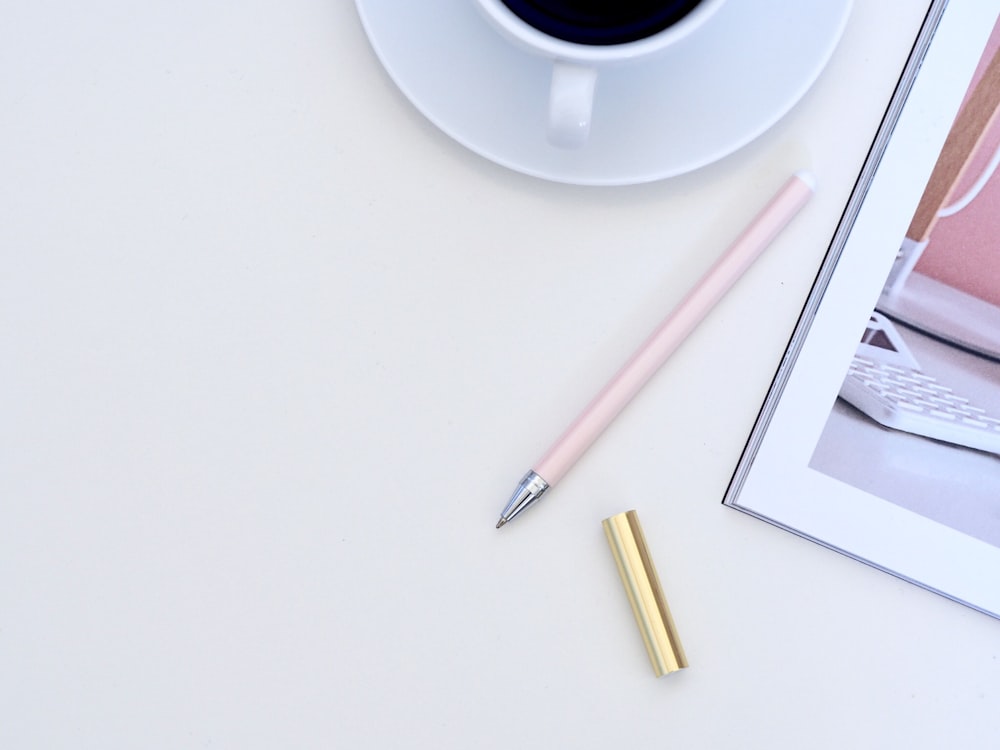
<point x="571" y="102"/>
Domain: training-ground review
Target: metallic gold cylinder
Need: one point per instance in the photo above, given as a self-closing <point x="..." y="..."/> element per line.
<point x="635" y="566"/>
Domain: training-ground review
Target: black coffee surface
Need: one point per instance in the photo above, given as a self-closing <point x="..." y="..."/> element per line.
<point x="601" y="21"/>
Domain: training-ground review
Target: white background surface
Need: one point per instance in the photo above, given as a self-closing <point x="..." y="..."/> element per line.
<point x="275" y="350"/>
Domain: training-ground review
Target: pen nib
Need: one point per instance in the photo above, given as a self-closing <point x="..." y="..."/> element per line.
<point x="528" y="491"/>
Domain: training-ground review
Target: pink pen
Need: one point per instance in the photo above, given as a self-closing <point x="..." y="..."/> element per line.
<point x="660" y="345"/>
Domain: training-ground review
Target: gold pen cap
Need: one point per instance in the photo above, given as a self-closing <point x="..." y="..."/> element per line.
<point x="635" y="566"/>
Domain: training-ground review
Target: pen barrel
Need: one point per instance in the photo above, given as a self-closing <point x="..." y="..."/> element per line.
<point x="665" y="340"/>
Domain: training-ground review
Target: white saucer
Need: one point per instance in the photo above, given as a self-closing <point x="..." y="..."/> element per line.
<point x="697" y="102"/>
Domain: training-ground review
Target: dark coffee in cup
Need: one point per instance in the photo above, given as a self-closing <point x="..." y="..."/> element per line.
<point x="601" y="22"/>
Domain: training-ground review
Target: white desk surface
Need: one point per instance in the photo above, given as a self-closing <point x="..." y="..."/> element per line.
<point x="275" y="350"/>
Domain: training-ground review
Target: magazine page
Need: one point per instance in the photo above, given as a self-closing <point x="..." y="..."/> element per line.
<point x="881" y="439"/>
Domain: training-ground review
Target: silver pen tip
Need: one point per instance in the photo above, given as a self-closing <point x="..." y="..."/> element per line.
<point x="501" y="522"/>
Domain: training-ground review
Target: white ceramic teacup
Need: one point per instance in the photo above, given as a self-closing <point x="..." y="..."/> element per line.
<point x="576" y="64"/>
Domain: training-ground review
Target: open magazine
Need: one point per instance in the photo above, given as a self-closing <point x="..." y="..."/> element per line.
<point x="880" y="436"/>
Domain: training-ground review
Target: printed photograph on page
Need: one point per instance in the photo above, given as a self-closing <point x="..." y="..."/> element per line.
<point x="917" y="420"/>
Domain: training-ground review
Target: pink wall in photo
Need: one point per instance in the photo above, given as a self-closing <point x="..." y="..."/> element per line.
<point x="964" y="249"/>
